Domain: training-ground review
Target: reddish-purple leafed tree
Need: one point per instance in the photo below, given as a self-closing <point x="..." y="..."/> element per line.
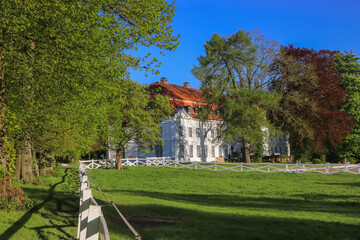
<point x="311" y="97"/>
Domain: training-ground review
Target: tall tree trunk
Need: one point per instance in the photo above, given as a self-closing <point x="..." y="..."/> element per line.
<point x="3" y="137"/>
<point x="24" y="161"/>
<point x="36" y="165"/>
<point x="246" y="151"/>
<point x="119" y="152"/>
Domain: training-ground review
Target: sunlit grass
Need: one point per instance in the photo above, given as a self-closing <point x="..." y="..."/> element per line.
<point x="54" y="214"/>
<point x="164" y="203"/>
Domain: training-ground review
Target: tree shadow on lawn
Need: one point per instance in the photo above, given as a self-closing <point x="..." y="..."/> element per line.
<point x="351" y="184"/>
<point x="310" y="203"/>
<point x="54" y="202"/>
<point x="194" y="224"/>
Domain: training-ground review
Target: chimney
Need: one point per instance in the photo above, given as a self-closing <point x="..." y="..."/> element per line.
<point x="187" y="84"/>
<point x="163" y="80"/>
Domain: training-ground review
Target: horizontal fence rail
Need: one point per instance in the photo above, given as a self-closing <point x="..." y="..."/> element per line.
<point x="235" y="167"/>
<point x="107" y="163"/>
<point x="270" y="168"/>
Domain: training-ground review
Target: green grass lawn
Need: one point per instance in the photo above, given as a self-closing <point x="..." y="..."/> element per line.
<point x="164" y="203"/>
<point x="54" y="215"/>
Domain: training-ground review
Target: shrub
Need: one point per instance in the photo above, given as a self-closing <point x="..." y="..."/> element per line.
<point x="318" y="161"/>
<point x="352" y="160"/>
<point x="12" y="197"/>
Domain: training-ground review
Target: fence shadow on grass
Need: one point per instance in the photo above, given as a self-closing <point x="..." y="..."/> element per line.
<point x="183" y="223"/>
<point x="302" y="202"/>
<point x="49" y="201"/>
<point x="193" y="224"/>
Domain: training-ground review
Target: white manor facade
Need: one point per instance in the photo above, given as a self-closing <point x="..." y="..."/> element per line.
<point x="186" y="138"/>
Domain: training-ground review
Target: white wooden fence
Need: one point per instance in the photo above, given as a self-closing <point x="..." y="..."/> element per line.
<point x="106" y="163"/>
<point x="235" y="167"/>
<point x="91" y="222"/>
<point x="270" y="167"/>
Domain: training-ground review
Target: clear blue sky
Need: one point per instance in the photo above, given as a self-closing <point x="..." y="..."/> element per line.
<point x="318" y="24"/>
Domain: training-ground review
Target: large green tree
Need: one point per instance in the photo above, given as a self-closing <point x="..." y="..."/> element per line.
<point x="137" y="119"/>
<point x="348" y="68"/>
<point x="62" y="64"/>
<point x="234" y="74"/>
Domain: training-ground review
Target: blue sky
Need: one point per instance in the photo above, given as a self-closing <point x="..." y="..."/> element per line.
<point x="318" y="24"/>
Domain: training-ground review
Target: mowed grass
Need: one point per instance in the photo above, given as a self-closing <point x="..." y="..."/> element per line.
<point x="54" y="214"/>
<point x="165" y="203"/>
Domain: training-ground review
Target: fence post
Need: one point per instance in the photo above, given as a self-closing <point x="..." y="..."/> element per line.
<point x="85" y="199"/>
<point x="84" y="183"/>
<point x="268" y="167"/>
<point x="297" y="167"/>
<point x="196" y="165"/>
<point x="286" y="168"/>
<point x="215" y="167"/>
<point x="92" y="230"/>
<point x="241" y="167"/>
<point x="346" y="167"/>
<point x="327" y="168"/>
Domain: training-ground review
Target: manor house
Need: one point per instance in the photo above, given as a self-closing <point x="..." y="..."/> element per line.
<point x="186" y="138"/>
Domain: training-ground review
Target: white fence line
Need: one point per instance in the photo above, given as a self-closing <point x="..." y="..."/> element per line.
<point x="106" y="163"/>
<point x="235" y="167"/>
<point x="91" y="221"/>
<point x="270" y="168"/>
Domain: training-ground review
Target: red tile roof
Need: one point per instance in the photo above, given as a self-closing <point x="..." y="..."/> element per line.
<point x="180" y="96"/>
<point x="178" y="92"/>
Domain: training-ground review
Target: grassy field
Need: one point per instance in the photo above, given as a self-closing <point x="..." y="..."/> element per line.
<point x="54" y="214"/>
<point x="164" y="203"/>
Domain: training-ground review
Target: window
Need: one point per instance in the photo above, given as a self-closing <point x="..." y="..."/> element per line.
<point x="217" y="113"/>
<point x="190" y="132"/>
<point x="161" y="132"/>
<point x="158" y="150"/>
<point x="198" y="132"/>
<point x="198" y="150"/>
<point x="196" y="110"/>
<point x="212" y="133"/>
<point x="191" y="151"/>
<point x="181" y="133"/>
<point x="220" y="152"/>
<point x="188" y="109"/>
<point x="181" y="151"/>
<point x="123" y="153"/>
<point x="213" y="151"/>
<point x="206" y="150"/>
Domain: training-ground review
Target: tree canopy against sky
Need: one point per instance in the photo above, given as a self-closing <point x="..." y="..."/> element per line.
<point x="233" y="76"/>
<point x="59" y="62"/>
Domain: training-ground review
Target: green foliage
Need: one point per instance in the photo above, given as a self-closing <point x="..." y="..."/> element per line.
<point x="137" y="117"/>
<point x="9" y="151"/>
<point x="348" y="67"/>
<point x="65" y="61"/>
<point x="318" y="161"/>
<point x="233" y="76"/>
